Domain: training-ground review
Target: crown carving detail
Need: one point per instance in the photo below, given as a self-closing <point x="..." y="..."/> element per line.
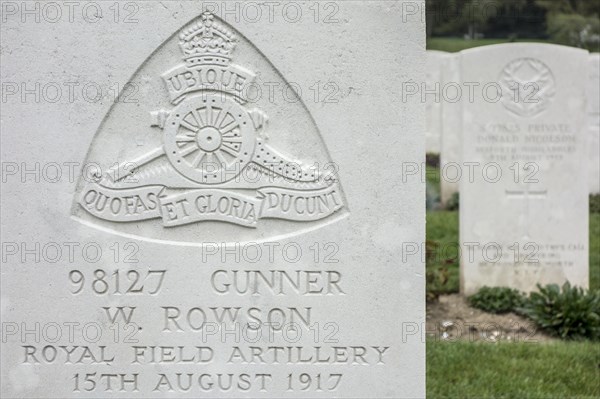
<point x="207" y="42"/>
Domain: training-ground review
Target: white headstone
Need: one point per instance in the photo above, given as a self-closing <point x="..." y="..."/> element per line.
<point x="594" y="123"/>
<point x="524" y="215"/>
<point x="450" y="154"/>
<point x="233" y="224"/>
<point x="433" y="83"/>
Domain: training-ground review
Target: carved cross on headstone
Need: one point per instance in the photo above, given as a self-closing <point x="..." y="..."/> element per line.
<point x="527" y="194"/>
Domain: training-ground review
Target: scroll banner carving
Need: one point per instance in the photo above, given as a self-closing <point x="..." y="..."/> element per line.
<point x="184" y="207"/>
<point x="208" y="139"/>
<point x="230" y="79"/>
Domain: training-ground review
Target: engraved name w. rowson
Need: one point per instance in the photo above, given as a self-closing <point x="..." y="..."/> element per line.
<point x="212" y="143"/>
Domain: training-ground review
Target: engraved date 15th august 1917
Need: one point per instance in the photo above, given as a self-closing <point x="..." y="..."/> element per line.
<point x="207" y="382"/>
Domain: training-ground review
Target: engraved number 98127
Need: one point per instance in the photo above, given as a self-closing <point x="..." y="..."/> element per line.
<point x="118" y="282"/>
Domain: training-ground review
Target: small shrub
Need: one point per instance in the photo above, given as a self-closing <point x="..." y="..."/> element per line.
<point x="436" y="283"/>
<point x="497" y="299"/>
<point x="453" y="203"/>
<point x="573" y="313"/>
<point x="437" y="272"/>
<point x="432" y="197"/>
<point x="432" y="159"/>
<point x="594" y="203"/>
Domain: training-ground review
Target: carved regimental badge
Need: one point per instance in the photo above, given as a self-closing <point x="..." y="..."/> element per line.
<point x="528" y="87"/>
<point x="205" y="155"/>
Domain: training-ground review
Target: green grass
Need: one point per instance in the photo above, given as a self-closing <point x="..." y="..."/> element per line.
<point x="513" y="370"/>
<point x="432" y="175"/>
<point x="433" y="186"/>
<point x="442" y="240"/>
<point x="455" y="44"/>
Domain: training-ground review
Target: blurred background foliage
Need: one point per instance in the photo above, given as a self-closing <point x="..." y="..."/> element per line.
<point x="569" y="22"/>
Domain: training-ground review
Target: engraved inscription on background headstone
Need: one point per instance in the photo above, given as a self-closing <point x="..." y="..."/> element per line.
<point x="434" y="104"/>
<point x="230" y="225"/>
<point x="524" y="216"/>
<point x="594" y="123"/>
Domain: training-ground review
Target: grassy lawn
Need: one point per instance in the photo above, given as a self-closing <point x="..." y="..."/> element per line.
<point x="442" y="256"/>
<point x="505" y="370"/>
<point x="455" y="44"/>
<point x="513" y="370"/>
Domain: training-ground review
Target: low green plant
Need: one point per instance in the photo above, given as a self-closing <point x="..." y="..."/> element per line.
<point x="570" y="313"/>
<point x="442" y="254"/>
<point x="432" y="159"/>
<point x="437" y="274"/>
<point x="453" y="203"/>
<point x="594" y="203"/>
<point x="497" y="299"/>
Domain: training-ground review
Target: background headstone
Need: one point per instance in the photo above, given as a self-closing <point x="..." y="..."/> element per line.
<point x="524" y="215"/>
<point x="594" y="123"/>
<point x="151" y="290"/>
<point x="450" y="157"/>
<point x="434" y="104"/>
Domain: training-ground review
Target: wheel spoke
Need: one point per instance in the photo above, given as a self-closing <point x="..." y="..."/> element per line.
<point x="217" y="118"/>
<point x="209" y="114"/>
<point x="198" y="118"/>
<point x="184" y="139"/>
<point x="189" y="126"/>
<point x="221" y="158"/>
<point x="229" y="127"/>
<point x="223" y="115"/>
<point x="198" y="159"/>
<point x="188" y="150"/>
<point x="229" y="150"/>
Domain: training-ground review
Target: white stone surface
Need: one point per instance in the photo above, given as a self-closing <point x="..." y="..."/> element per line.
<point x="167" y="245"/>
<point x="450" y="156"/>
<point x="594" y="123"/>
<point x="530" y="227"/>
<point x="433" y="83"/>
